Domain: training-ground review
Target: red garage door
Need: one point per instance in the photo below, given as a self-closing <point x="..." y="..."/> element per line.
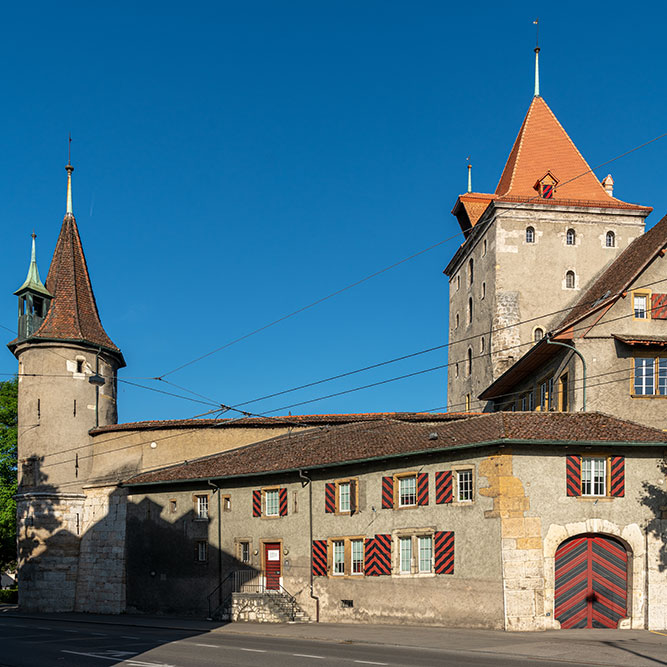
<point x="591" y="582"/>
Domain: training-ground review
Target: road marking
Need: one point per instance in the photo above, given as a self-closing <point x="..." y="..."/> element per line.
<point x="662" y="634"/>
<point x="370" y="662"/>
<point x="208" y="645"/>
<point x="74" y="631"/>
<point x="92" y="655"/>
<point x="305" y="655"/>
<point x="253" y="650"/>
<point x="129" y="637"/>
<point x="99" y="634"/>
<point x="42" y="627"/>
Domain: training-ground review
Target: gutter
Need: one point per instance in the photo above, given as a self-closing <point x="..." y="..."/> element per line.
<point x="309" y="482"/>
<point x="500" y="442"/>
<point x="217" y="490"/>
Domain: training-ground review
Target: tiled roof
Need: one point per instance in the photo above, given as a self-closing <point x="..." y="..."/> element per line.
<point x="474" y="203"/>
<point x="641" y="340"/>
<point x="73" y="314"/>
<point x="620" y="274"/>
<point x="281" y="421"/>
<point x="542" y="146"/>
<point x="388" y="438"/>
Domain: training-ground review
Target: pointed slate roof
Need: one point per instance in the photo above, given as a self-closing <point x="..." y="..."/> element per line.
<point x="33" y="282"/>
<point x="73" y="315"/>
<point x="541" y="147"/>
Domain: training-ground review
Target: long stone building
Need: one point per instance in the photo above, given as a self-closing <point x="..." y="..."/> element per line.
<point x="521" y="508"/>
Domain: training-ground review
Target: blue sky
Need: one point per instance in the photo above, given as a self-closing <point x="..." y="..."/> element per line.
<point x="237" y="161"/>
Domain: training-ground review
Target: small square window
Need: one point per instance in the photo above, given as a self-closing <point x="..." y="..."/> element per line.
<point x="407" y="491"/>
<point x="172" y="506"/>
<point x="271" y="503"/>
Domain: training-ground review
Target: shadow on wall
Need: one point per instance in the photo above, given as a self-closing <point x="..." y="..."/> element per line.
<point x="171" y="566"/>
<point x="655" y="498"/>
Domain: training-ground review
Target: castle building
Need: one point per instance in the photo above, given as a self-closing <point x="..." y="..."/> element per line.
<point x="544" y="514"/>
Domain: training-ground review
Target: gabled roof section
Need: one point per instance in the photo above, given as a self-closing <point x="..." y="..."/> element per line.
<point x="470" y="207"/>
<point x="541" y="147"/>
<point x="73" y="314"/>
<point x="386" y="439"/>
<point x="620" y="274"/>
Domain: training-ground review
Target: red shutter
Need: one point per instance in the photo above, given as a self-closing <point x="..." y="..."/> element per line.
<point x="422" y="488"/>
<point x="444" y="551"/>
<point x="257" y="503"/>
<point x="378" y="556"/>
<point x="617" y="476"/>
<point x="319" y="558"/>
<point x="387" y="493"/>
<point x="443" y="487"/>
<point x="283" y="501"/>
<point x="574" y="475"/>
<point x="330" y="498"/>
<point x="659" y="306"/>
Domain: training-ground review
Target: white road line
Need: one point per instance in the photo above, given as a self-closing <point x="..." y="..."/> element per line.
<point x="253" y="650"/>
<point x="74" y="631"/>
<point x="42" y="627"/>
<point x="129" y="637"/>
<point x="99" y="634"/>
<point x="208" y="645"/>
<point x="91" y="655"/>
<point x="370" y="662"/>
<point x="305" y="655"/>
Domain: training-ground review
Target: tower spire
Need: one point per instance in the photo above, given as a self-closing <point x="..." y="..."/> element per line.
<point x="537" y="57"/>
<point x="469" y="174"/>
<point x="69" y="169"/>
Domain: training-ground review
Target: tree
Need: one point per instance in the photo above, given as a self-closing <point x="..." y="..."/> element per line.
<point x="8" y="461"/>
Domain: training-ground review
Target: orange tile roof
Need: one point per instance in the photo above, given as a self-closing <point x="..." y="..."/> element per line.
<point x="475" y="203"/>
<point x="542" y="147"/>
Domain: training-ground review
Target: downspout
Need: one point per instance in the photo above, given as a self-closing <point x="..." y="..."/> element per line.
<point x="309" y="483"/>
<point x="583" y="363"/>
<point x="217" y="490"/>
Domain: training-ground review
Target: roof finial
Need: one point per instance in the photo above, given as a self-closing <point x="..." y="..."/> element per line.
<point x="69" y="169"/>
<point x="469" y="174"/>
<point x="536" y="22"/>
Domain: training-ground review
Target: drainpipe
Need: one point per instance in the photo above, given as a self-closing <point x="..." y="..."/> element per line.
<point x="216" y="489"/>
<point x="583" y="363"/>
<point x="309" y="483"/>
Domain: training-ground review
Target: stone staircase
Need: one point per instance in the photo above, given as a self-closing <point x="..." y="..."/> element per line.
<point x="264" y="607"/>
<point x="286" y="608"/>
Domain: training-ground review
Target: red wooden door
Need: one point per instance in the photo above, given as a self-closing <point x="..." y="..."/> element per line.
<point x="272" y="565"/>
<point x="591" y="582"/>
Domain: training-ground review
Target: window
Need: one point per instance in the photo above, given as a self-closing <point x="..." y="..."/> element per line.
<point x="538" y="334"/>
<point x="172" y="506"/>
<point x="271" y="502"/>
<point x="650" y="376"/>
<point x="244" y="551"/>
<point x="483" y="290"/>
<point x="202" y="507"/>
<point x="593" y="477"/>
<point x="469" y="311"/>
<point x="484" y="248"/>
<point x="640" y="306"/>
<point x="456" y="326"/>
<point x="405" y="555"/>
<point x="407" y="491"/>
<point x="570" y="237"/>
<point x="346" y="496"/>
<point x="202" y="551"/>
<point x="610" y="239"/>
<point x="546" y="393"/>
<point x="523" y="403"/>
<point x="458" y="282"/>
<point x="79" y="365"/>
<point x="471" y="274"/>
<point x="425" y="544"/>
<point x="564" y="393"/>
<point x="467" y="403"/>
<point x="531" y="401"/>
<point x="469" y="365"/>
<point x="338" y="557"/>
<point x="226" y="504"/>
<point x="530" y="235"/>
<point x="464" y="485"/>
<point x="569" y="280"/>
<point x="482" y="344"/>
<point x="456" y="370"/>
<point x="357" y="555"/>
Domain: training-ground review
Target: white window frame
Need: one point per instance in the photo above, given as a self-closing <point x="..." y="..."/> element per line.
<point x="570" y="237"/>
<point x="272" y="502"/>
<point x="465" y="490"/>
<point x="338" y="558"/>
<point x="406" y="493"/>
<point x="202" y="507"/>
<point x="405" y="554"/>
<point x="425" y="553"/>
<point x="530" y="234"/>
<point x="640" y="312"/>
<point x="610" y="236"/>
<point x="356" y="564"/>
<point x="202" y="551"/>
<point x="344" y="496"/>
<point x="594" y="476"/>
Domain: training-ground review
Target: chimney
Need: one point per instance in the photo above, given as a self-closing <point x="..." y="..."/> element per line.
<point x="608" y="185"/>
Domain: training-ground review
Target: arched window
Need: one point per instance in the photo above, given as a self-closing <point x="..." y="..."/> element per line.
<point x="469" y="366"/>
<point x="530" y="235"/>
<point x="570" y="237"/>
<point x="470" y="272"/>
<point x="483" y="290"/>
<point x="610" y="239"/>
<point x="470" y="311"/>
<point x="569" y="280"/>
<point x="538" y="334"/>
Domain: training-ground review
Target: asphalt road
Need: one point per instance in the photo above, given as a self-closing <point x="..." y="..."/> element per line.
<point x="26" y="643"/>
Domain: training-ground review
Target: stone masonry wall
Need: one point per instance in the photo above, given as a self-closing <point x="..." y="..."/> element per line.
<point x="101" y="582"/>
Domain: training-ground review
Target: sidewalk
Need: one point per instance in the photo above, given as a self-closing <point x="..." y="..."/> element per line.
<point x="634" y="648"/>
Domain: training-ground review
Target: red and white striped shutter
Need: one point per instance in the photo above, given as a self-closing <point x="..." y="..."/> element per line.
<point x="330" y="498"/>
<point x="387" y="493"/>
<point x="444" y="551"/>
<point x="257" y="502"/>
<point x="422" y="488"/>
<point x="617" y="477"/>
<point x="443" y="487"/>
<point x="573" y="475"/>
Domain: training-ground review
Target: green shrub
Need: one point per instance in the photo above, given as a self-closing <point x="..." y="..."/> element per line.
<point x="9" y="596"/>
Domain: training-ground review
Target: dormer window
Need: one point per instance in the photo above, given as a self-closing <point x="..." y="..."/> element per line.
<point x="546" y="186"/>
